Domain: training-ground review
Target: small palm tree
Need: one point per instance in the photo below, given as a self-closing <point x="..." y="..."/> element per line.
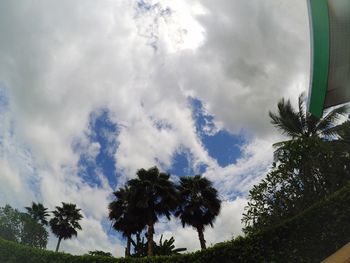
<point x="167" y="247"/>
<point x="199" y="204"/>
<point x="164" y="248"/>
<point x="65" y="222"/>
<point x="124" y="217"/>
<point x="154" y="194"/>
<point x="39" y="213"/>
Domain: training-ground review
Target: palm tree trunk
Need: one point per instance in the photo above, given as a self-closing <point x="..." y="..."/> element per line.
<point x="138" y="238"/>
<point x="150" y="238"/>
<point x="128" y="246"/>
<point x="58" y="243"/>
<point x="201" y="237"/>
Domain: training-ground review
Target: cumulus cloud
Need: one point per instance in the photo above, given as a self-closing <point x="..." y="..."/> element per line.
<point x="255" y="52"/>
<point x="250" y="168"/>
<point x="60" y="61"/>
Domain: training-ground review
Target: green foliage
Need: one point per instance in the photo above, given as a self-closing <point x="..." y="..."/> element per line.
<point x="344" y="132"/>
<point x="10" y="221"/>
<point x="310" y="236"/>
<point x="167" y="247"/>
<point x="38" y="212"/>
<point x="65" y="222"/>
<point x="11" y="252"/>
<point x="309" y="166"/>
<point x="286" y="190"/>
<point x="163" y="248"/>
<point x="33" y="233"/>
<point x="21" y="228"/>
<point x="140" y="246"/>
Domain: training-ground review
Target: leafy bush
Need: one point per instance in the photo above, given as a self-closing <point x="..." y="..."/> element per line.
<point x="21" y="228"/>
<point x="308" y="237"/>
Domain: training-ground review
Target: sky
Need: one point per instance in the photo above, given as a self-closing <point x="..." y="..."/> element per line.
<point x="92" y="91"/>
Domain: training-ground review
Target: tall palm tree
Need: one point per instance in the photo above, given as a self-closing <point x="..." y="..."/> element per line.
<point x="38" y="212"/>
<point x="65" y="222"/>
<point x="155" y="195"/>
<point x="199" y="204"/>
<point x="125" y="218"/>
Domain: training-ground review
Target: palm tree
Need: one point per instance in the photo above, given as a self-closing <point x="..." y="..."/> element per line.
<point x="124" y="217"/>
<point x="199" y="204"/>
<point x="154" y="194"/>
<point x="39" y="213"/>
<point x="309" y="145"/>
<point x="301" y="124"/>
<point x="164" y="248"/>
<point x="65" y="222"/>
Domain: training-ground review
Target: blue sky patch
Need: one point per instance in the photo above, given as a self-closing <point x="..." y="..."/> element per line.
<point x="182" y="165"/>
<point x="221" y="145"/>
<point x="103" y="132"/>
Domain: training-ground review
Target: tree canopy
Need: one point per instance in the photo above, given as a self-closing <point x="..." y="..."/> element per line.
<point x="21" y="228"/>
<point x="309" y="165"/>
<point x="38" y="212"/>
<point x="155" y="195"/>
<point x="65" y="222"/>
<point x="199" y="204"/>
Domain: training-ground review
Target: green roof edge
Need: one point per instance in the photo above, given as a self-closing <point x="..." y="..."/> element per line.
<point x="320" y="49"/>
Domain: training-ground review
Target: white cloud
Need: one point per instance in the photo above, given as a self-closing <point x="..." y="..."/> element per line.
<point x="255" y="52"/>
<point x="13" y="189"/>
<point x="238" y="178"/>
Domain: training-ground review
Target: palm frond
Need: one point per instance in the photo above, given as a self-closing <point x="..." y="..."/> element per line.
<point x="328" y="121"/>
<point x="287" y="120"/>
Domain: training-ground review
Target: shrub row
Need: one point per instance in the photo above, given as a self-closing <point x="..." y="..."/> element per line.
<point x="309" y="237"/>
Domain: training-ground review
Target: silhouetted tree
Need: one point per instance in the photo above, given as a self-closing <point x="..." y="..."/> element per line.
<point x="125" y="217"/>
<point x="155" y="195"/>
<point x="199" y="204"/>
<point x="65" y="222"/>
<point x="38" y="212"/>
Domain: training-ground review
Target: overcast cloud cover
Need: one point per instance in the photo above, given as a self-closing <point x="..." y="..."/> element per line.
<point x="142" y="62"/>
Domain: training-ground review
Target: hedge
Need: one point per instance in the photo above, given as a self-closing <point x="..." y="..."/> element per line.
<point x="309" y="237"/>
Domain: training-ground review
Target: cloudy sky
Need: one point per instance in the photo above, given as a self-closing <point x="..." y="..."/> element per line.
<point x="91" y="91"/>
